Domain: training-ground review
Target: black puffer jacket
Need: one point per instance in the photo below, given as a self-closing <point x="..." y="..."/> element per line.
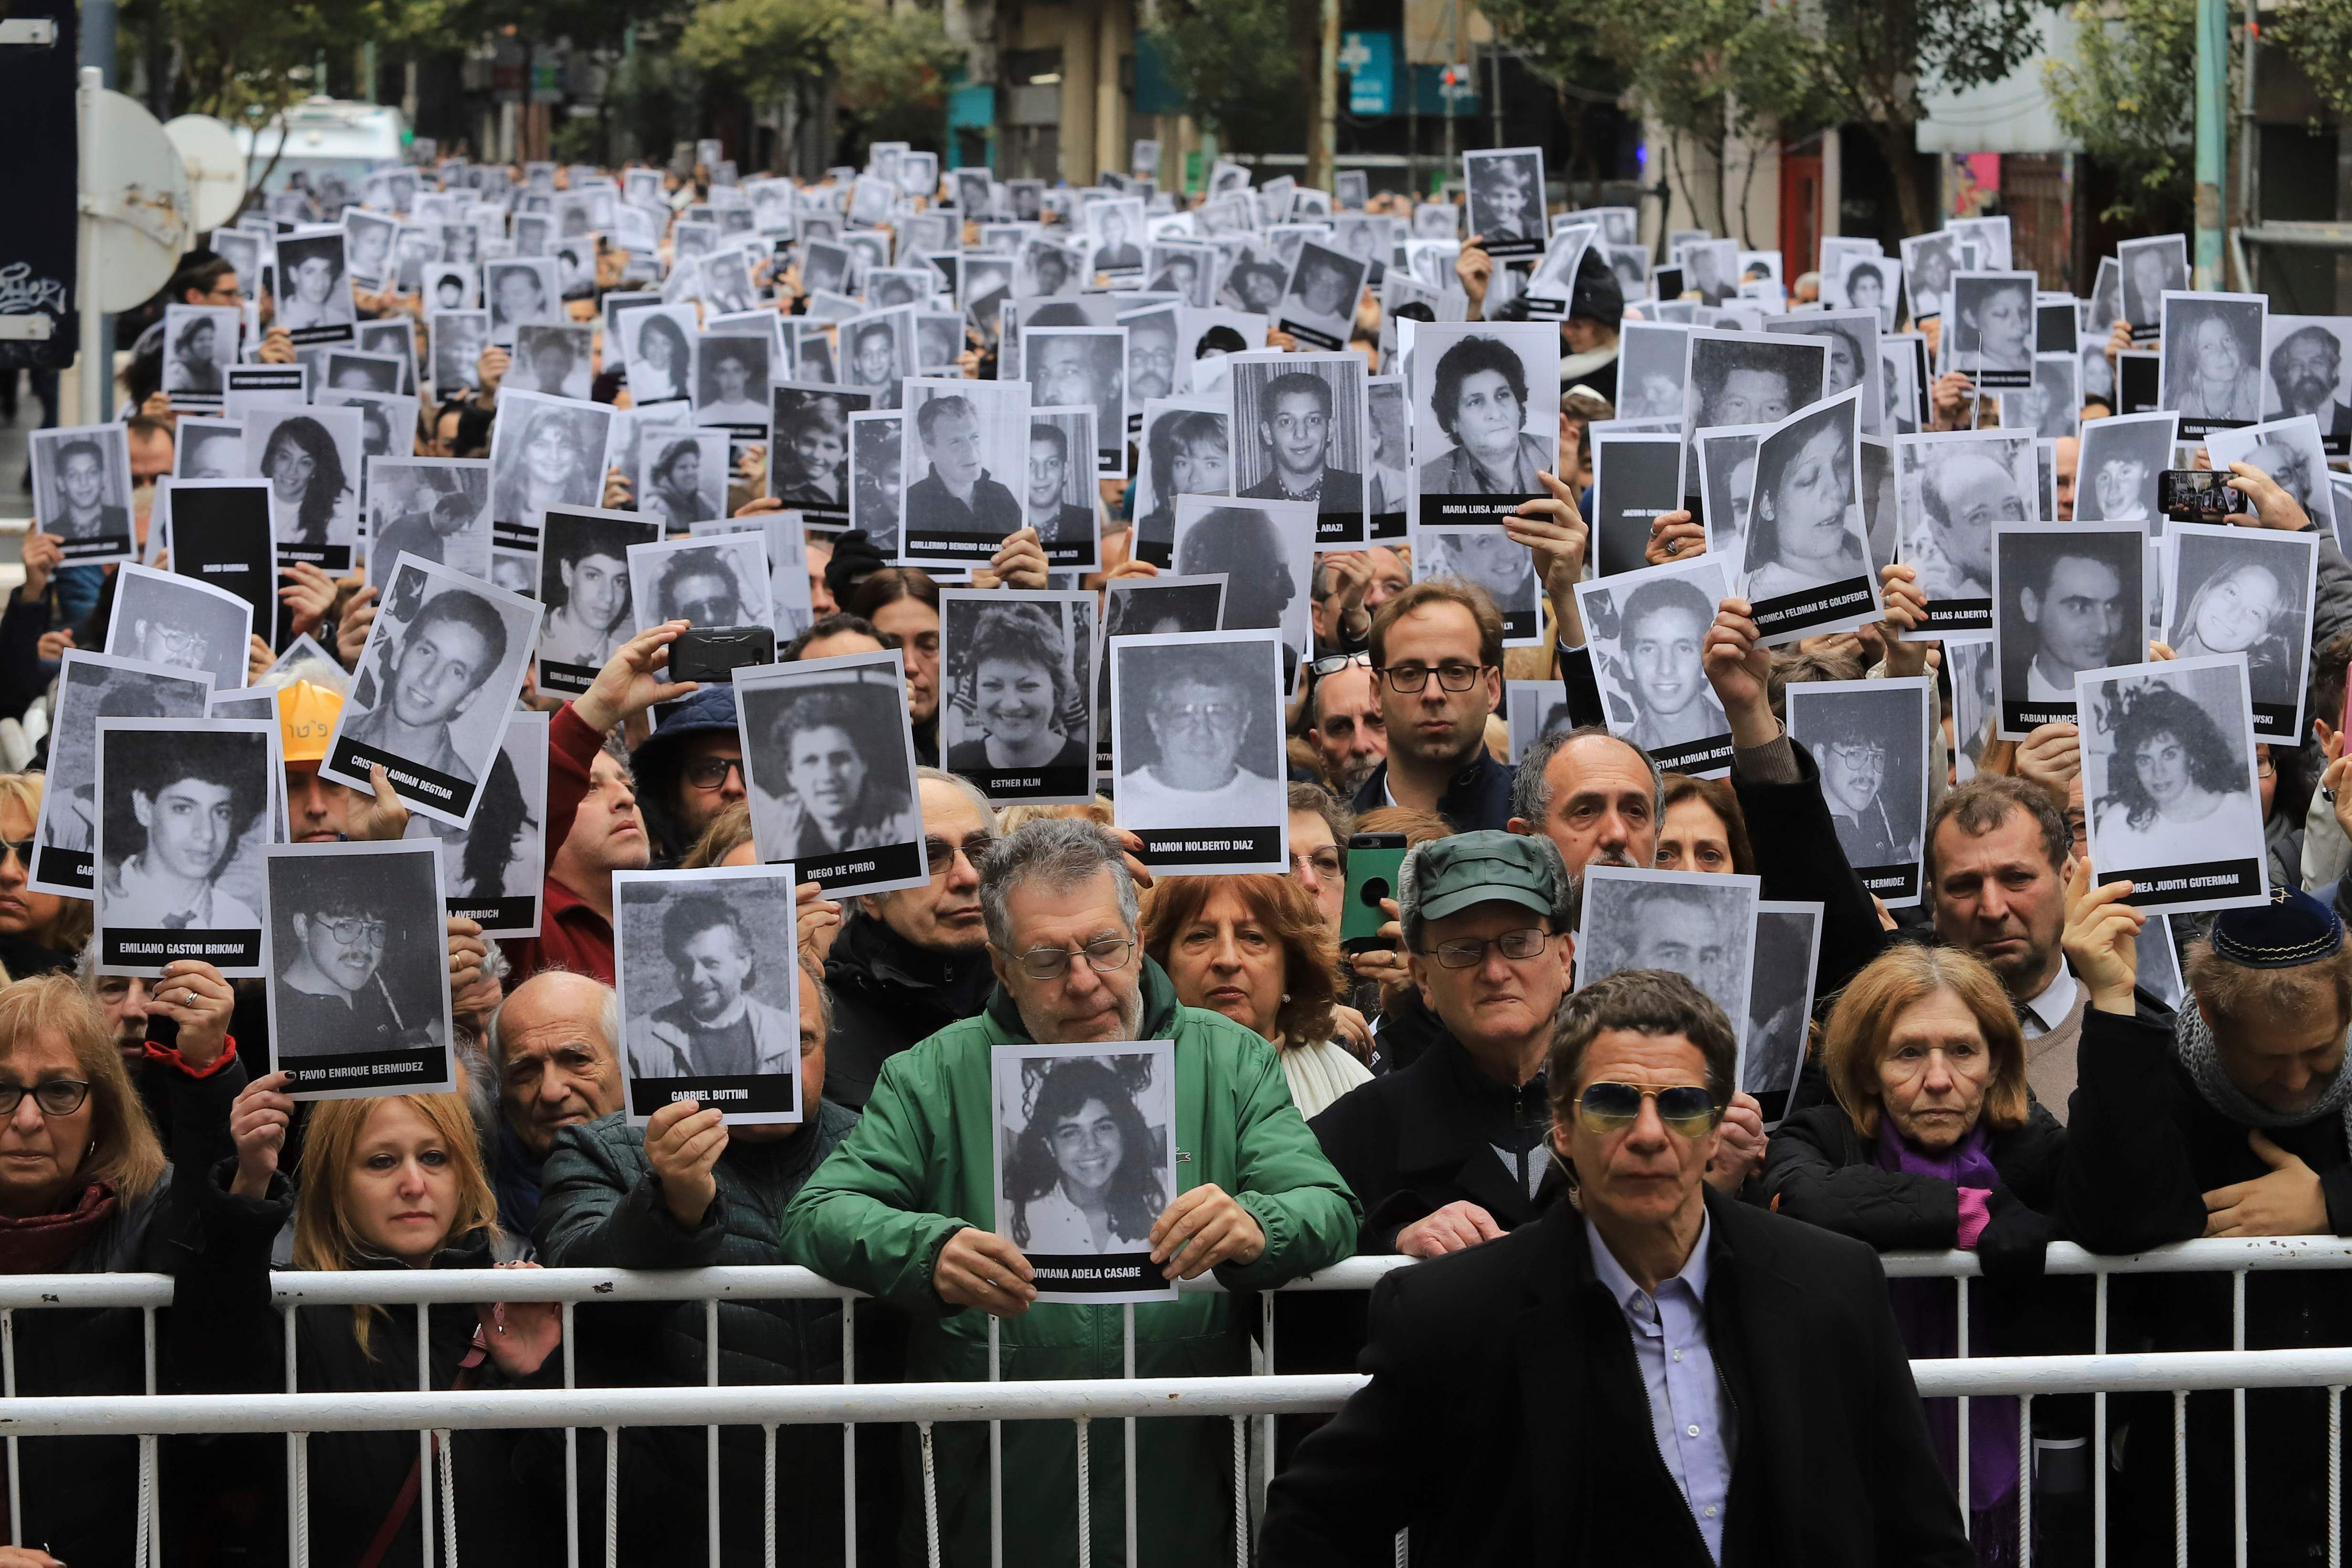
<point x="1819" y="1169"/>
<point x="887" y="995"/>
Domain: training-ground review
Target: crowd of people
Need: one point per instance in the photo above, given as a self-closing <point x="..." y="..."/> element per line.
<point x="1419" y="1063"/>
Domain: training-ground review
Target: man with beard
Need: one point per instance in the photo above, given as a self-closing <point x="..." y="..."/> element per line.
<point x="1150" y="358"/>
<point x="1347" y="728"/>
<point x="1853" y="772"/>
<point x="1294" y="430"/>
<point x="714" y="1027"/>
<point x="2305" y="369"/>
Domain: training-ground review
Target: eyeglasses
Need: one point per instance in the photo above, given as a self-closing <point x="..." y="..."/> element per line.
<point x="941" y="853"/>
<point x="1105" y="956"/>
<point x="1525" y="943"/>
<point x="351" y="931"/>
<point x="1327" y="864"/>
<point x="1333" y="663"/>
<point x="2264" y="769"/>
<point x="1686" y="1108"/>
<point x="710" y="773"/>
<point x="58" y="1097"/>
<point x="1216" y="714"/>
<point x="1449" y="677"/>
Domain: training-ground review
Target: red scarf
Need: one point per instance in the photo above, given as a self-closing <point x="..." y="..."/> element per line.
<point x="44" y="1243"/>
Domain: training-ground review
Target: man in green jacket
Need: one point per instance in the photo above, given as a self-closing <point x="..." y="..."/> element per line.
<point x="900" y="1209"/>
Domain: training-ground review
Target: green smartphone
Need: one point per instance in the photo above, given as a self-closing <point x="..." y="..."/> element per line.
<point x="1374" y="861"/>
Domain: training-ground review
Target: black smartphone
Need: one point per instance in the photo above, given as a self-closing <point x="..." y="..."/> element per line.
<point x="2198" y="495"/>
<point x="162" y="1029"/>
<point x="1374" y="861"/>
<point x="709" y="653"/>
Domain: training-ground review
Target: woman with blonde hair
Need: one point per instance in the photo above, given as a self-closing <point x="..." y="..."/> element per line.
<point x="391" y="1183"/>
<point x="85" y="1189"/>
<point x="1934" y="1141"/>
<point x="39" y="931"/>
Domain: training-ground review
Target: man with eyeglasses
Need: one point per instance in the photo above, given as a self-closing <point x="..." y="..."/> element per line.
<point x="1511" y="1388"/>
<point x="1345" y="724"/>
<point x="1853" y="772"/>
<point x="906" y="964"/>
<point x="331" y="992"/>
<point x="688" y="770"/>
<point x="1260" y="1206"/>
<point x="1437" y="655"/>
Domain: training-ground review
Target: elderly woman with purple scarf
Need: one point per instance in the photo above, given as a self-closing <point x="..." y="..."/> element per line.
<point x="1934" y="1141"/>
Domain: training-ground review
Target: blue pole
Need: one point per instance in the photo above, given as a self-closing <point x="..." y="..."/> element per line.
<point x="2212" y="136"/>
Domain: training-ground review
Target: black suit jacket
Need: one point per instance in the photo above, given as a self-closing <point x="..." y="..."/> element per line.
<point x="1505" y="1418"/>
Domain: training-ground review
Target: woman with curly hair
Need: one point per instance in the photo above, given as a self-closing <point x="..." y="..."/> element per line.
<point x="1081" y="1177"/>
<point x="1011" y="690"/>
<point x="673" y="487"/>
<point x="307" y="482"/>
<point x="836" y="796"/>
<point x="1479" y="394"/>
<point x="2176" y="790"/>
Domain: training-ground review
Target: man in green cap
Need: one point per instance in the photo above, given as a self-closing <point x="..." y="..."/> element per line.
<point x="1450" y="1150"/>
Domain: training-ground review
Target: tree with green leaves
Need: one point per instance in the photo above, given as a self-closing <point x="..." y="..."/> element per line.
<point x="1245" y="67"/>
<point x="2129" y="97"/>
<point x="889" y="70"/>
<point x="2319" y="35"/>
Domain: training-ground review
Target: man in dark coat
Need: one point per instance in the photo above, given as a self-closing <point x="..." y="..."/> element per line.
<point x="2228" y="1119"/>
<point x="906" y="964"/>
<point x="1511" y="1384"/>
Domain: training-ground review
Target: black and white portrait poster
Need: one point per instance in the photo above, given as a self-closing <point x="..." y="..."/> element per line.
<point x="1506" y="200"/>
<point x="184" y="622"/>
<point x="831" y="771"/>
<point x="1720" y="472"/>
<point x="1952" y="488"/>
<point x="436" y="509"/>
<point x="1975" y="707"/>
<point x="314" y="288"/>
<point x="493" y="870"/>
<point x="1060" y="497"/>
<point x="199" y="345"/>
<point x="1016" y="679"/>
<point x="208" y="448"/>
<point x="1928" y="262"/>
<point x="878" y="350"/>
<point x="218" y="534"/>
<point x="261" y="702"/>
<point x="2116" y="472"/>
<point x="521" y="291"/>
<point x="451" y="286"/>
<point x="683" y="472"/>
<point x="1858" y="275"/>
<point x="714" y="581"/>
<point x="1535" y="709"/>
<point x="1989" y="329"/>
<point x="1749" y="378"/>
<point x="544" y="451"/>
<point x="1389" y="416"/>
<point x="583" y="588"/>
<point x="358" y="981"/>
<point x="1869" y="739"/>
<point x="367" y="243"/>
<point x="1780" y="1003"/>
<point x="1196" y="721"/>
<point x="2306" y="369"/>
<point x="731" y="381"/>
<point x="709" y="978"/>
<point x="1300" y="433"/>
<point x="2052" y="406"/>
<point x="809" y="452"/>
<point x="556" y="359"/>
<point x="2151" y="268"/>
<point x="656" y="352"/>
<point x="1487" y="557"/>
<point x="1698" y="925"/>
<point x="1266" y="549"/>
<point x="2169" y="783"/>
<point x="1805" y="562"/>
<point x="1486" y="409"/>
<point x="1085" y="1163"/>
<point x="1083" y="368"/>
<point x="253" y="386"/>
<point x="2291" y="451"/>
<point x="1636" y="479"/>
<point x="311" y="459"/>
<point x="1652" y="357"/>
<point x="1852" y="338"/>
<point x="1186" y="450"/>
<point x="183" y="817"/>
<point x="2212" y="372"/>
<point x="873" y="481"/>
<point x="1154" y="367"/>
<point x="81" y="491"/>
<point x="1551" y="284"/>
<point x="1318" y="301"/>
<point x="1185" y="269"/>
<point x="1114" y="232"/>
<point x="963" y="445"/>
<point x="2246" y="591"/>
<point x="436" y="681"/>
<point x="1647" y="630"/>
<point x="91" y="686"/>
<point x="2067" y="597"/>
<point x="458" y="339"/>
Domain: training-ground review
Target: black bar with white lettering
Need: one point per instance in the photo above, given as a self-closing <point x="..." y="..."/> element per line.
<point x="2004" y="380"/>
<point x="451" y="795"/>
<point x="520" y="536"/>
<point x="333" y="559"/>
<point x="112" y="546"/>
<point x="850" y="869"/>
<point x="350" y="1072"/>
<point x="1175" y="848"/>
<point x="2021" y="717"/>
<point x="64" y="868"/>
<point x="495" y="915"/>
<point x="1346" y="529"/>
<point x="1891" y="883"/>
<point x="2197" y="879"/>
<point x="1074" y="552"/>
<point x="1311" y="337"/>
<point x="1009" y="786"/>
<point x="947" y="544"/>
<point x="1461" y="511"/>
<point x="1522" y="626"/>
<point x="2274" y="721"/>
<point x="1959" y="615"/>
<point x="1696" y="758"/>
<point x="768" y="1093"/>
<point x="226" y="951"/>
<point x="1792" y="612"/>
<point x="325" y="333"/>
<point x="572" y="680"/>
<point x="1086" y="1273"/>
<point x="1387" y="526"/>
<point x="2192" y="428"/>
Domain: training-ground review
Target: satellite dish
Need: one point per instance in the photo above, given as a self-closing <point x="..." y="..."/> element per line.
<point x="135" y="186"/>
<point x="216" y="168"/>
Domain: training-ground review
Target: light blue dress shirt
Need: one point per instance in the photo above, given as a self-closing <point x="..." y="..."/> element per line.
<point x="1690" y="1410"/>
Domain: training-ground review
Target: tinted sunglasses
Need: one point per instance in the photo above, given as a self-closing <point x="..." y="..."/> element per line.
<point x="1687" y="1108"/>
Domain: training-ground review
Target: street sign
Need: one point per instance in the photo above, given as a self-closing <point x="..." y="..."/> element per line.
<point x="1369" y="61"/>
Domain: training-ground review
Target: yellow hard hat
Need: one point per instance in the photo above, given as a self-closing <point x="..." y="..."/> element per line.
<point x="306" y="712"/>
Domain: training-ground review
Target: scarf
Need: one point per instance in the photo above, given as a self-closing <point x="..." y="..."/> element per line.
<point x="44" y="1243"/>
<point x="2192" y="1043"/>
<point x="1927" y="1311"/>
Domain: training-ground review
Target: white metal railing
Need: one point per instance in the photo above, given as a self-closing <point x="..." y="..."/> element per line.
<point x="1241" y="1400"/>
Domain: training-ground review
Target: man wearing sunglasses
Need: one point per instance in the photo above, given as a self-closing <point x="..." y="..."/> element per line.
<point x="1511" y="1387"/>
<point x="688" y="770"/>
<point x="1257" y="1202"/>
